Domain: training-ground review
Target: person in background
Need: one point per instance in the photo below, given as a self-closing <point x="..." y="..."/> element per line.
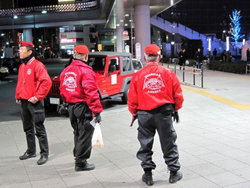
<point x="214" y="54"/>
<point x="79" y="89"/>
<point x="154" y="96"/>
<point x="248" y="56"/>
<point x="182" y="57"/>
<point x="198" y="58"/>
<point x="33" y="85"/>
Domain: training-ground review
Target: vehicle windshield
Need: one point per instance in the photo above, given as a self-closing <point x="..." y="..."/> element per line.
<point x="97" y="63"/>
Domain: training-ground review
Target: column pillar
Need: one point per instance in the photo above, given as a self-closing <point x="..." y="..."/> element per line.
<point x="86" y="39"/>
<point x="120" y="28"/>
<point x="119" y="38"/>
<point x="142" y="24"/>
<point x="27" y="35"/>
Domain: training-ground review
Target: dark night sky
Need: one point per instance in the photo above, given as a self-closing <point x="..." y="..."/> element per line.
<point x="209" y="16"/>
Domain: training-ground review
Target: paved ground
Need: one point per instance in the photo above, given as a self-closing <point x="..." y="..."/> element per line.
<point x="213" y="140"/>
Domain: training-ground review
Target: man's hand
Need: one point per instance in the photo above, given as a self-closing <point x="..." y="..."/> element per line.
<point x="98" y="118"/>
<point x="176" y="117"/>
<point x="33" y="100"/>
<point x="18" y="101"/>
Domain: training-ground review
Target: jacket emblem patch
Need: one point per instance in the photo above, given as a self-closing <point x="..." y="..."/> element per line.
<point x="153" y="83"/>
<point x="29" y="71"/>
<point x="70" y="81"/>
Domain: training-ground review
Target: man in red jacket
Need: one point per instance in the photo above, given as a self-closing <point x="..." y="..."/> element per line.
<point x="33" y="85"/>
<point x="154" y="96"/>
<point x="79" y="89"/>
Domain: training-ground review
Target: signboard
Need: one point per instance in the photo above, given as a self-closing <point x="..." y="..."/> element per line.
<point x="125" y="33"/>
<point x="99" y="47"/>
<point x="125" y="38"/>
<point x="63" y="40"/>
<point x="138" y="50"/>
<point x="127" y="48"/>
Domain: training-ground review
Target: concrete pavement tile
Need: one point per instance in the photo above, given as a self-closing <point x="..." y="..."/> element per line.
<point x="225" y="178"/>
<point x="31" y="165"/>
<point x="235" y="153"/>
<point x="213" y="157"/>
<point x="230" y="164"/>
<point x="131" y="145"/>
<point x="186" y="145"/>
<point x="206" y="169"/>
<point x="239" y="185"/>
<point x="190" y="161"/>
<point x="84" y="178"/>
<point x="219" y="147"/>
<point x="197" y="151"/>
<point x="51" y="183"/>
<point x="207" y="141"/>
<point x="89" y="185"/>
<point x="113" y="177"/>
<point x="198" y="183"/>
<point x="243" y="172"/>
<point x="41" y="174"/>
<point x="117" y="155"/>
<point x="245" y="159"/>
<point x="128" y="162"/>
<point x="17" y="185"/>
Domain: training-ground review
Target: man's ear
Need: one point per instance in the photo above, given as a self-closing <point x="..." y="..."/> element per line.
<point x="86" y="57"/>
<point x="30" y="52"/>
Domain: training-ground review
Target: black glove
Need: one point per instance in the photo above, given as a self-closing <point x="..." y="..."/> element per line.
<point x="133" y="119"/>
<point x="98" y="118"/>
<point x="176" y="117"/>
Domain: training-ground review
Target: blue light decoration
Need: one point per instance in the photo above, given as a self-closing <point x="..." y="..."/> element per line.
<point x="235" y="26"/>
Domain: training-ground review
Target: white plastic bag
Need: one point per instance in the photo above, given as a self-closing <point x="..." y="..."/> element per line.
<point x="186" y="62"/>
<point x="97" y="140"/>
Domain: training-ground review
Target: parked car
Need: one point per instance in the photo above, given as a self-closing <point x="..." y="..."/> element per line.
<point x="113" y="70"/>
<point x="4" y="72"/>
<point x="11" y="63"/>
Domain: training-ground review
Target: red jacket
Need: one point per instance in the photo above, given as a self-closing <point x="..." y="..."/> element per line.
<point x="153" y="86"/>
<point x="33" y="80"/>
<point x="78" y="84"/>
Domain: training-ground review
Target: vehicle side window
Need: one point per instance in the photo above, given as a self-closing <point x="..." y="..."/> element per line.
<point x="127" y="66"/>
<point x="99" y="63"/>
<point x="137" y="65"/>
<point x="114" y="65"/>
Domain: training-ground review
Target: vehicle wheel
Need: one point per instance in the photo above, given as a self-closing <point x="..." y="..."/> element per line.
<point x="125" y="96"/>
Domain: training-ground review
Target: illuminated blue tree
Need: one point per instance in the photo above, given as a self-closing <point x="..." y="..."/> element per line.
<point x="235" y="26"/>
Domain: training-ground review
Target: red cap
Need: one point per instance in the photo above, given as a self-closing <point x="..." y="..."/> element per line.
<point x="81" y="49"/>
<point x="152" y="49"/>
<point x="24" y="43"/>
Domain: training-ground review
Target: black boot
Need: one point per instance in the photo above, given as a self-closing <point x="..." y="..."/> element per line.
<point x="27" y="156"/>
<point x="85" y="167"/>
<point x="175" y="176"/>
<point x="147" y="178"/>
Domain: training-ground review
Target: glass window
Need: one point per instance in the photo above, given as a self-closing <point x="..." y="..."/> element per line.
<point x="127" y="66"/>
<point x="97" y="63"/>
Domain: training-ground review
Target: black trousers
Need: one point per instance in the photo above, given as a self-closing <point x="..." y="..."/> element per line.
<point x="80" y="117"/>
<point x="33" y="117"/>
<point x="159" y="120"/>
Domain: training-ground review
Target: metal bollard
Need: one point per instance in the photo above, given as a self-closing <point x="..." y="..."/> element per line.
<point x="183" y="74"/>
<point x="194" y="75"/>
<point x="201" y="77"/>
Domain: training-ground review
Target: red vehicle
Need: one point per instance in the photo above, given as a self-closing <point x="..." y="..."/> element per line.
<point x="113" y="70"/>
